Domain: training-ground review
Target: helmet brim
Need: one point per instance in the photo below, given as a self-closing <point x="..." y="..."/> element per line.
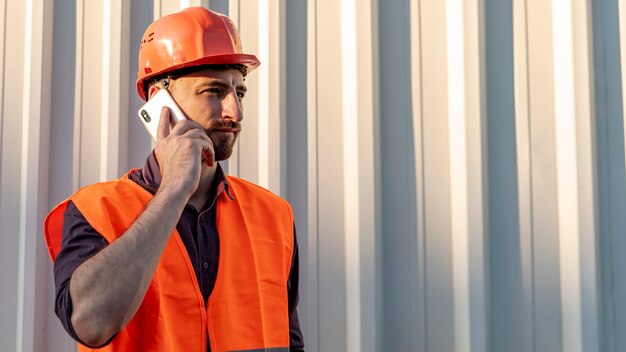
<point x="249" y="61"/>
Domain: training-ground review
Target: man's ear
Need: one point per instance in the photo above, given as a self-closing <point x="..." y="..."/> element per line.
<point x="152" y="90"/>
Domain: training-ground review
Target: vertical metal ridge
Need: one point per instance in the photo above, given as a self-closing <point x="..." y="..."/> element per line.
<point x="419" y="262"/>
<point x="586" y="153"/>
<point x="3" y="28"/>
<point x="105" y="96"/>
<point x="157" y="9"/>
<point x="622" y="34"/>
<point x="530" y="164"/>
<point x="524" y="167"/>
<point x="317" y="163"/>
<point x="351" y="84"/>
<point x="420" y="184"/>
<point x="530" y="182"/>
<point x="483" y="182"/>
<point x="264" y="94"/>
<point x="78" y="91"/>
<point x="313" y="243"/>
<point x="477" y="195"/>
<point x="233" y="162"/>
<point x="567" y="170"/>
<point x="24" y="308"/>
<point x="281" y="37"/>
<point x="548" y="324"/>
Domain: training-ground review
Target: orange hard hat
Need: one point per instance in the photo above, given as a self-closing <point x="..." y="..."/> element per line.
<point x="192" y="37"/>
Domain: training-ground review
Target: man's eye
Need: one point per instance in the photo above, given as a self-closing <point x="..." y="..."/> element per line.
<point x="241" y="95"/>
<point x="212" y="91"/>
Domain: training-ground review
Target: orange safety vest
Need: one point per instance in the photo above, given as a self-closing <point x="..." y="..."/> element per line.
<point x="247" y="309"/>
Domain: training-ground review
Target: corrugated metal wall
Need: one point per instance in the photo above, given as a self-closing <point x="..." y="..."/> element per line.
<point x="456" y="168"/>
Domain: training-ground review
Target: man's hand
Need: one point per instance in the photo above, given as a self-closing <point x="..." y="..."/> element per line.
<point x="180" y="151"/>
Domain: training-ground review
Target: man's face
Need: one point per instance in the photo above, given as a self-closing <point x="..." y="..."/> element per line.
<point x="213" y="99"/>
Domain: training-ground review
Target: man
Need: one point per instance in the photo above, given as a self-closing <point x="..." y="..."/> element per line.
<point x="177" y="256"/>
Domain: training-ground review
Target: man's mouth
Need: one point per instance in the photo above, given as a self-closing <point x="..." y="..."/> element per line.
<point x="226" y="127"/>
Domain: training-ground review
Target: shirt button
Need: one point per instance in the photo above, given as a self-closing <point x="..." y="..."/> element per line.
<point x="205" y="265"/>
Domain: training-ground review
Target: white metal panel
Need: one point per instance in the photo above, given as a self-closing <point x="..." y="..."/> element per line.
<point x="14" y="23"/>
<point x="263" y="112"/>
<point x="330" y="169"/>
<point x="139" y="143"/>
<point x="438" y="252"/>
<point x="362" y="217"/>
<point x="465" y="116"/>
<point x="543" y="179"/>
<point x="271" y="96"/>
<point x="478" y="239"/>
<point x="115" y="92"/>
<point x="391" y="138"/>
<point x="248" y="144"/>
<point x="368" y="239"/>
<point x="189" y="3"/>
<point x="349" y="82"/>
<point x="166" y="7"/>
<point x="458" y="166"/>
<point x="587" y="186"/>
<point x="3" y="5"/>
<point x="34" y="187"/>
<point x="156" y="9"/>
<point x="576" y="216"/>
<point x="232" y="164"/>
<point x="297" y="170"/>
<point x="78" y="93"/>
<point x="60" y="150"/>
<point x="88" y="113"/>
<point x="565" y="115"/>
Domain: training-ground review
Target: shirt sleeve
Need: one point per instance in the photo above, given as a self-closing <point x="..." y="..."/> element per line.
<point x="296" y="341"/>
<point x="80" y="242"/>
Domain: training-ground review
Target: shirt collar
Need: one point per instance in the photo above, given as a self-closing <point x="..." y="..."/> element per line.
<point x="151" y="174"/>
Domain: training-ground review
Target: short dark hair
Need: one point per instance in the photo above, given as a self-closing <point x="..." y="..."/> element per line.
<point x="189" y="70"/>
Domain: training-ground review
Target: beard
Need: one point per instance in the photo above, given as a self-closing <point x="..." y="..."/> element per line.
<point x="223" y="143"/>
<point x="223" y="147"/>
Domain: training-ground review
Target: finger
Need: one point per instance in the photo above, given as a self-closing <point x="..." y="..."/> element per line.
<point x="183" y="126"/>
<point x="196" y="133"/>
<point x="164" y="124"/>
<point x="209" y="159"/>
<point x="208" y="154"/>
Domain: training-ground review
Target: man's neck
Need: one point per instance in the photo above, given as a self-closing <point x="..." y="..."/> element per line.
<point x="201" y="195"/>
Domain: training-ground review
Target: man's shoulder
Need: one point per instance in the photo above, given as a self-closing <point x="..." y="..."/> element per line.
<point x="122" y="187"/>
<point x="246" y="188"/>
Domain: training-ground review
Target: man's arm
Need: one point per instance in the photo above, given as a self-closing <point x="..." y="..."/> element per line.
<point x="107" y="289"/>
<point x="80" y="242"/>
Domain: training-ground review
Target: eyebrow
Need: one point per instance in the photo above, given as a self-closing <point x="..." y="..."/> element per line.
<point x="221" y="84"/>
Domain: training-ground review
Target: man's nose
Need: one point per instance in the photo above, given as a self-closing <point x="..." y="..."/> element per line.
<point x="232" y="108"/>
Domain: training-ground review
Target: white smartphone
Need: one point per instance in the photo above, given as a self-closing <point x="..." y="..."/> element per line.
<point x="150" y="112"/>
